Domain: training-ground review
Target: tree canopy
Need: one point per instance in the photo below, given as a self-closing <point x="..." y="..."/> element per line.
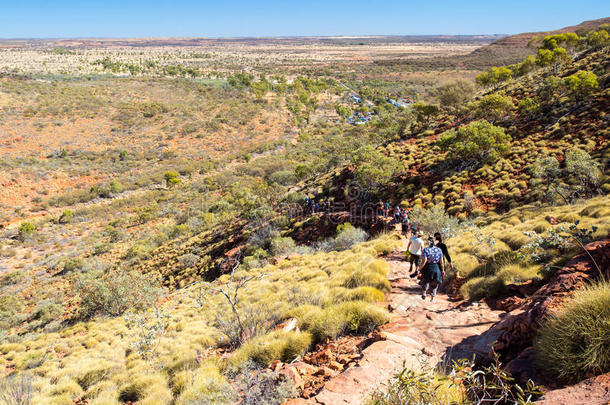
<point x="477" y="142"/>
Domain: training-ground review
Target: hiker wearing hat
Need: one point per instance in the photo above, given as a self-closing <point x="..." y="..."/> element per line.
<point x="431" y="269"/>
<point x="415" y="247"/>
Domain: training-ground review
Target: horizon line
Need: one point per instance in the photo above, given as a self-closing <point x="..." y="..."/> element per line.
<point x="253" y="37"/>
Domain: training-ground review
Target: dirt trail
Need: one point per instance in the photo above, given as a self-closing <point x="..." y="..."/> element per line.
<point x="418" y="331"/>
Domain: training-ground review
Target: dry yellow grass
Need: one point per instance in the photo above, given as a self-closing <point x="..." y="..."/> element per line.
<point x="97" y="359"/>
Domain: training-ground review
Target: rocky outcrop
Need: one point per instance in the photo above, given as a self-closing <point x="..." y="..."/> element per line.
<point x="592" y="391"/>
<point x="517" y="331"/>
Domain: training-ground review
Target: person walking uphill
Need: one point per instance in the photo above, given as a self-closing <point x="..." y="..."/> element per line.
<point x="415" y="249"/>
<point x="431" y="269"/>
<point x="443" y="248"/>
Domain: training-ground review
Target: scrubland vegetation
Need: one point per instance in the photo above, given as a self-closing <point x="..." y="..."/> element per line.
<point x="154" y="238"/>
<point x="171" y="351"/>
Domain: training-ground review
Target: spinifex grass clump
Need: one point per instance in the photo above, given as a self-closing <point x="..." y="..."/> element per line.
<point x="575" y="342"/>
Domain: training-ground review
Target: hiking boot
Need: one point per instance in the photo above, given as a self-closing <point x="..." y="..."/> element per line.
<point x="431" y="298"/>
<point x="423" y="296"/>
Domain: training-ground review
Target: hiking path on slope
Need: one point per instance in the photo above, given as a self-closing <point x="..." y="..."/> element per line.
<point x="419" y="331"/>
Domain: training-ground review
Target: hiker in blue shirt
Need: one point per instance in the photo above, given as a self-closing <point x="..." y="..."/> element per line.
<point x="431" y="269"/>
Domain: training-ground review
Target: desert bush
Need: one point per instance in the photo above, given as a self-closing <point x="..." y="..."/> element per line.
<point x="365" y="293"/>
<point x="206" y="385"/>
<point x="171" y="179"/>
<point x="189" y="259"/>
<point x="494" y="107"/>
<point x="478" y="142"/>
<point x="277" y="345"/>
<point x="10" y="310"/>
<point x="575" y="341"/>
<point x="66" y="217"/>
<point x="494" y="77"/>
<point x="26" y="231"/>
<point x="116" y="293"/>
<point x="517" y="273"/>
<point x="17" y="390"/>
<point x="529" y="107"/>
<point x="46" y="311"/>
<point x="581" y="84"/>
<point x="478" y="288"/>
<point x="462" y="382"/>
<point x="373" y="168"/>
<point x="351" y="316"/>
<point x="283" y="177"/>
<point x="73" y="264"/>
<point x="360" y="278"/>
<point x="455" y="94"/>
<point x="263" y="387"/>
<point x="435" y="219"/>
<point x="12" y="277"/>
<point x="280" y="246"/>
<point x="145" y="387"/>
<point x="425" y="386"/>
<point x="347" y="236"/>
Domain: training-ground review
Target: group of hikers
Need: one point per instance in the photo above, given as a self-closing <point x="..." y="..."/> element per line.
<point x="426" y="260"/>
<point x="314" y="206"/>
<point x="401" y="215"/>
<point x="429" y="261"/>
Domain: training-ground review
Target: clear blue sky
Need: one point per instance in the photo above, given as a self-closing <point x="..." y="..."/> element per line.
<point x="137" y="18"/>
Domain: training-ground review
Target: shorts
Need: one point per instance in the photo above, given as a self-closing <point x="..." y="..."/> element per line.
<point x="414" y="259"/>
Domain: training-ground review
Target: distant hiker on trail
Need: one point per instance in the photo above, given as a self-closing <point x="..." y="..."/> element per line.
<point x="397" y="214"/>
<point x="311" y="206"/>
<point x="386" y="209"/>
<point x="380" y="208"/>
<point x="404" y="226"/>
<point x="415" y="247"/>
<point x="443" y="248"/>
<point x="431" y="269"/>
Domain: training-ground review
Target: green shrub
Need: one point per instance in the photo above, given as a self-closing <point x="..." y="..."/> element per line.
<point x="10" y="309"/>
<point x="171" y="179"/>
<point x="281" y="246"/>
<point x="575" y="341"/>
<point x="517" y="273"/>
<point x="66" y="217"/>
<point x="277" y="345"/>
<point x="117" y="293"/>
<point x="283" y="177"/>
<point x="365" y="293"/>
<point x="12" y="277"/>
<point x="73" y="264"/>
<point x="478" y="142"/>
<point x="348" y="236"/>
<point x="351" y="316"/>
<point x="493" y="107"/>
<point x="47" y="311"/>
<point x="115" y="187"/>
<point x="435" y="219"/>
<point x="26" y="231"/>
<point x="479" y="288"/>
<point x="361" y="278"/>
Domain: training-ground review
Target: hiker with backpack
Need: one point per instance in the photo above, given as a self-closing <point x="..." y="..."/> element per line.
<point x="431" y="269"/>
<point x="386" y="209"/>
<point x="415" y="247"/>
<point x="443" y="248"/>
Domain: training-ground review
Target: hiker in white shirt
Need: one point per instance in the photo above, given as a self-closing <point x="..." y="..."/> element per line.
<point x="416" y="244"/>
